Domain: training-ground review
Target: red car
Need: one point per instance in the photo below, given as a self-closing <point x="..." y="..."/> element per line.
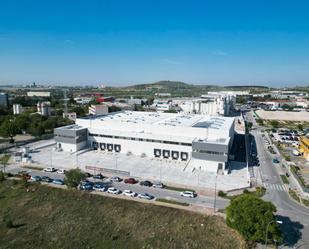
<point x="130" y="181"/>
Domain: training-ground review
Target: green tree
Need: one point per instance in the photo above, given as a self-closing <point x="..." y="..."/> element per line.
<point x="9" y="129"/>
<point x="22" y="121"/>
<point x="80" y="111"/>
<point x="250" y="215"/>
<point x="73" y="177"/>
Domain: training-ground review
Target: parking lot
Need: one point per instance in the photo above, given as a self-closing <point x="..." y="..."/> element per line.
<point x="201" y="201"/>
<point x="172" y="173"/>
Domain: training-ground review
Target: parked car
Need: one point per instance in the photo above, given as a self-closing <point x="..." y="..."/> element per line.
<point x="23" y="175"/>
<point x="158" y="185"/>
<point x="146" y="183"/>
<point x="61" y="171"/>
<point x="115" y="179"/>
<point x="58" y="182"/>
<point x="189" y="194"/>
<point x="49" y="169"/>
<point x="35" y="178"/>
<point x="275" y="160"/>
<point x="88" y="174"/>
<point x="98" y="176"/>
<point x="113" y="190"/>
<point x="145" y="196"/>
<point x="46" y="179"/>
<point x="99" y="186"/>
<point x="86" y="185"/>
<point x="129" y="193"/>
<point x="130" y="181"/>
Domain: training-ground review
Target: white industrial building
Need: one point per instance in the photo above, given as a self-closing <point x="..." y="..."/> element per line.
<point x="211" y="104"/>
<point x="202" y="141"/>
<point x="38" y="94"/>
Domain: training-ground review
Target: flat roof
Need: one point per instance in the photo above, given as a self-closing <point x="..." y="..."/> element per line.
<point x="173" y="126"/>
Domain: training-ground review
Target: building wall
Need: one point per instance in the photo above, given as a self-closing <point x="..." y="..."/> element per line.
<point x="4" y="99"/>
<point x="139" y="147"/>
<point x="38" y="94"/>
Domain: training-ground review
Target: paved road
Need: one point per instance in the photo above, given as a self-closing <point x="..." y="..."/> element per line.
<point x="294" y="216"/>
<point x="203" y="201"/>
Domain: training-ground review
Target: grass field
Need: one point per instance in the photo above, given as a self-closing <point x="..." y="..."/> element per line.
<point x="47" y="217"/>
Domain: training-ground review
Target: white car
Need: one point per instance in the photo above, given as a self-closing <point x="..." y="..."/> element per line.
<point x="158" y="185"/>
<point x="145" y="196"/>
<point x="189" y="194"/>
<point x="49" y="169"/>
<point x="129" y="193"/>
<point x="61" y="171"/>
<point x="113" y="190"/>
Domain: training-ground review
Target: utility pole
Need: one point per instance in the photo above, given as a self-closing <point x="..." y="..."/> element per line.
<point x="215" y="200"/>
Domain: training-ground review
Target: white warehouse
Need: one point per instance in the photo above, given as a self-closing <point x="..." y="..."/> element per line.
<point x="202" y="141"/>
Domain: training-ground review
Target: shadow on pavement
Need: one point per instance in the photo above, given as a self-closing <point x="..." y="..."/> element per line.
<point x="291" y="230"/>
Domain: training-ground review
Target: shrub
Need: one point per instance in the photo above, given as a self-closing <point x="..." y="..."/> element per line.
<point x="221" y="194"/>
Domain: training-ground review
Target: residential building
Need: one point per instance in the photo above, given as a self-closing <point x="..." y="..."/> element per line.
<point x="17" y="109"/>
<point x="98" y="109"/>
<point x="43" y="108"/>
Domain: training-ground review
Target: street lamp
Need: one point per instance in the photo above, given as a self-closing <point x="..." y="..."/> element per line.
<point x="278" y="221"/>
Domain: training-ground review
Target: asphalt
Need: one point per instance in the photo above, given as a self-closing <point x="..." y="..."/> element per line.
<point x="201" y="201"/>
<point x="295" y="217"/>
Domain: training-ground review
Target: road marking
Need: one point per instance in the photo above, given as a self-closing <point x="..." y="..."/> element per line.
<point x="274" y="186"/>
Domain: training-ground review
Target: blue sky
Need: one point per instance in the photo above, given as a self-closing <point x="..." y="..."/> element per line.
<point x="139" y="41"/>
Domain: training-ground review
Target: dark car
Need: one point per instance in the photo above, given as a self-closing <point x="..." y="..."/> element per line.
<point x="130" y="181"/>
<point x="98" y="176"/>
<point x="146" y="183"/>
<point x="46" y="179"/>
<point x="86" y="185"/>
<point x="88" y="174"/>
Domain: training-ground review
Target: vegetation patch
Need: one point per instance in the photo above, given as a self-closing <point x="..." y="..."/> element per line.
<point x="172" y="202"/>
<point x="305" y="202"/>
<point x="284" y="179"/>
<point x="33" y="167"/>
<point x="178" y="189"/>
<point x="45" y="217"/>
<point x="294" y="195"/>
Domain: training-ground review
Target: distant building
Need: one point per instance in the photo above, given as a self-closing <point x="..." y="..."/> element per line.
<point x="98" y="109"/>
<point x="133" y="101"/>
<point x="70" y="115"/>
<point x="44" y="108"/>
<point x="211" y="104"/>
<point x="162" y="105"/>
<point x="4" y="99"/>
<point x="105" y="99"/>
<point x="38" y="94"/>
<point x="163" y="94"/>
<point x="17" y="109"/>
<point x="83" y="100"/>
